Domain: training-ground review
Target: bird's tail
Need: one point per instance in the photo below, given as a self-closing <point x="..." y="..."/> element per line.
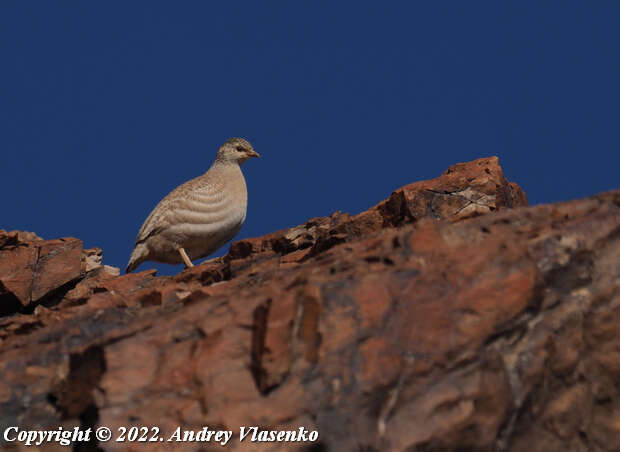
<point x="140" y="254"/>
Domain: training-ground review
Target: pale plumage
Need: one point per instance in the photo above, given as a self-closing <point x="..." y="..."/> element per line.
<point x="201" y="215"/>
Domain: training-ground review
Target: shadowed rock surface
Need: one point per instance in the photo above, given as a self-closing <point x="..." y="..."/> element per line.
<point x="449" y="317"/>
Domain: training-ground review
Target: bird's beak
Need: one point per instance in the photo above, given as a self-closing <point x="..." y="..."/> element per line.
<point x="253" y="154"/>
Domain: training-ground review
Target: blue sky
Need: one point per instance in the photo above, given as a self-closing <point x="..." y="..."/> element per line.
<point x="107" y="106"/>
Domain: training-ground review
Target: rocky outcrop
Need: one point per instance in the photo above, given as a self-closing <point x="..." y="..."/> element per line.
<point x="449" y="317"/>
<point x="34" y="271"/>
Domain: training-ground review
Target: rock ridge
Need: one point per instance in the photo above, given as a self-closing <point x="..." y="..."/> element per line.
<point x="451" y="316"/>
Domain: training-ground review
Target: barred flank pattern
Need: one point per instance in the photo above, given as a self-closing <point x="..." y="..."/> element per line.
<point x="200" y="216"/>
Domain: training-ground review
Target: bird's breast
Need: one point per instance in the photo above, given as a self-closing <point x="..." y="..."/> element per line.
<point x="212" y="210"/>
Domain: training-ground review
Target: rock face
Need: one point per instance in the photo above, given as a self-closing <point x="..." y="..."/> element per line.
<point x="451" y="316"/>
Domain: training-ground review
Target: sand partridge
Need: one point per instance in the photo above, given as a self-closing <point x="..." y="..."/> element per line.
<point x="201" y="215"/>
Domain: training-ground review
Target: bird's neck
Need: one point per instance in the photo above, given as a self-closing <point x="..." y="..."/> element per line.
<point x="232" y="169"/>
<point x="226" y="164"/>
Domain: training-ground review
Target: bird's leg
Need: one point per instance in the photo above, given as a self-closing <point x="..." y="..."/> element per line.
<point x="183" y="254"/>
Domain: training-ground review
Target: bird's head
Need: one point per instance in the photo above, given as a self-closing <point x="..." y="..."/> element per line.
<point x="236" y="150"/>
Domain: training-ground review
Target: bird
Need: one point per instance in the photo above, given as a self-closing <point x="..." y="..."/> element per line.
<point x="201" y="215"/>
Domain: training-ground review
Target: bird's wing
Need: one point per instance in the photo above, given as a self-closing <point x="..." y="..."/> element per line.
<point x="154" y="223"/>
<point x="191" y="203"/>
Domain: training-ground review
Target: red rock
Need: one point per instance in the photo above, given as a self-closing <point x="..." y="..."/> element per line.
<point x="31" y="270"/>
<point x="57" y="263"/>
<point x="443" y="318"/>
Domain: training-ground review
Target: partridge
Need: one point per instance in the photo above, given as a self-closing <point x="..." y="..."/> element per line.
<point x="199" y="216"/>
